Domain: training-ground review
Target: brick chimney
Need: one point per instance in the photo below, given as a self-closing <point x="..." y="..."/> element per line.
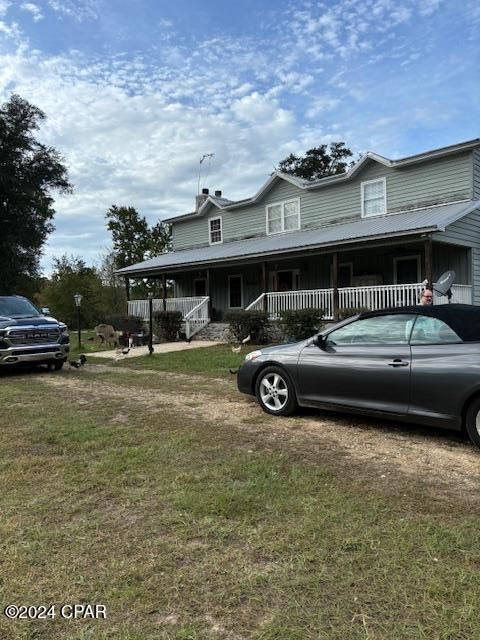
<point x="200" y="199"/>
<point x="218" y="194"/>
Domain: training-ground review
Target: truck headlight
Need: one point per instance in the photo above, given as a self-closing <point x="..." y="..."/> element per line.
<point x="253" y="355"/>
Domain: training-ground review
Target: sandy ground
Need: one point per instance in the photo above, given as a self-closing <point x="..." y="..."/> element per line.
<point x="444" y="462"/>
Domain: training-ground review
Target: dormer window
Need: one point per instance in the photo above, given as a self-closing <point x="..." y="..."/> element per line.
<point x="283" y="216"/>
<point x="215" y="235"/>
<point x="374" y="197"/>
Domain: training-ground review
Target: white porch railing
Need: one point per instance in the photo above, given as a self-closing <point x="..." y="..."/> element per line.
<point x="375" y="297"/>
<point x="139" y="308"/>
<point x="380" y="296"/>
<point x="197" y="318"/>
<point x="282" y="301"/>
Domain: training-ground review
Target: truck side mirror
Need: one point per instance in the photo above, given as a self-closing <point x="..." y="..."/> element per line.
<point x="45" y="311"/>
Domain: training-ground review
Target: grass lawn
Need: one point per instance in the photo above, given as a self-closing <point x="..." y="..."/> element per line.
<point x="180" y="506"/>
<point x="210" y="361"/>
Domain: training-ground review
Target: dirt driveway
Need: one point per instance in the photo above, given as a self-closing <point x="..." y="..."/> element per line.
<point x="392" y="456"/>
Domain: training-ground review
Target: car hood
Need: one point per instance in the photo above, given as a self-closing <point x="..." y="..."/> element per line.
<point x="286" y="348"/>
<point x="34" y="321"/>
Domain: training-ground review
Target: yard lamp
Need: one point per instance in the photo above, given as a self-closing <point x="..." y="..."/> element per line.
<point x="78" y="301"/>
<point x="150" y="323"/>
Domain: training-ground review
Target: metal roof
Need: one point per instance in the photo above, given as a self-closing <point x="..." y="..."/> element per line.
<point x="426" y="220"/>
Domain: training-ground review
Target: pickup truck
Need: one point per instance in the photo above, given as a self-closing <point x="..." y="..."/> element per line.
<point x="30" y="336"/>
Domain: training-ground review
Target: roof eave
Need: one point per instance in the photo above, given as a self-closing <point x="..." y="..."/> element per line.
<point x="289" y="250"/>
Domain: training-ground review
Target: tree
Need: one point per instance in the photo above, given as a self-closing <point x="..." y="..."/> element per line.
<point x="318" y="162"/>
<point x="70" y="276"/>
<point x="29" y="172"/>
<point x="134" y="241"/>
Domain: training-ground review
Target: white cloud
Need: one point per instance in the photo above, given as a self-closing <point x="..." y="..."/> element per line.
<point x="79" y="10"/>
<point x="34" y="9"/>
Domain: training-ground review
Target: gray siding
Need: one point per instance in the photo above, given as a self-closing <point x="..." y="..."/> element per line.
<point x="443" y="180"/>
<point x="466" y="232"/>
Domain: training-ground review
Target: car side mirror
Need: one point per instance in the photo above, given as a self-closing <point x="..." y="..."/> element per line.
<point x="320" y="341"/>
<point x="45" y="311"/>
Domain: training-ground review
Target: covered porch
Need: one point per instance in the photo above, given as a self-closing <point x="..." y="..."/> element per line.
<point x="373" y="276"/>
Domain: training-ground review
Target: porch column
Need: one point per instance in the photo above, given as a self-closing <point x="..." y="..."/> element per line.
<point x="264" y="285"/>
<point x="428" y="261"/>
<point x="335" y="284"/>
<point x="164" y="290"/>
<point x="207" y="291"/>
<point x="127" y="287"/>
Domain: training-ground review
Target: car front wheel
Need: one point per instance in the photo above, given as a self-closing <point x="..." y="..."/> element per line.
<point x="472" y="422"/>
<point x="275" y="393"/>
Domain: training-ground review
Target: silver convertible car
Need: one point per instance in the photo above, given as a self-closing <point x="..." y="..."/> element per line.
<point x="419" y="364"/>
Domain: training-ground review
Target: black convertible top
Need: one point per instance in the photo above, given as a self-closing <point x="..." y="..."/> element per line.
<point x="464" y="319"/>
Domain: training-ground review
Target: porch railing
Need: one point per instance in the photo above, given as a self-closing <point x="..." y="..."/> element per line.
<point x="197" y="318"/>
<point x="379" y="297"/>
<point x="139" y="308"/>
<point x="279" y="302"/>
<point x="374" y="297"/>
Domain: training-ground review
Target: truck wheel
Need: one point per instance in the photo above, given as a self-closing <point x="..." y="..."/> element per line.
<point x="56" y="365"/>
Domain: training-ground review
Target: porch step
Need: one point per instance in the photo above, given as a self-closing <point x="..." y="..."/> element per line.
<point x="214" y="331"/>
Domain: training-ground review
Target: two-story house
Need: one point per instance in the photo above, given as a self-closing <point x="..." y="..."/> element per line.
<point x="365" y="238"/>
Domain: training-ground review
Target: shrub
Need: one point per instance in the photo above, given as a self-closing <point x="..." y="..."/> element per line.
<point x="167" y="324"/>
<point x="248" y="323"/>
<point x="345" y="313"/>
<point x="301" y="324"/>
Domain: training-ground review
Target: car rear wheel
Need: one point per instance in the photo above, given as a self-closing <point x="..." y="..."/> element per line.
<point x="275" y="392"/>
<point x="472" y="422"/>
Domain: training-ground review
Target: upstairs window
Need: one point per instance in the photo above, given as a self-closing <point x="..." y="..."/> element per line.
<point x="283" y="216"/>
<point x="215" y="235"/>
<point x="374" y="197"/>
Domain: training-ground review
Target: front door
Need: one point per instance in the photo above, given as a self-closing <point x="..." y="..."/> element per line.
<point x="284" y="280"/>
<point x="365" y="365"/>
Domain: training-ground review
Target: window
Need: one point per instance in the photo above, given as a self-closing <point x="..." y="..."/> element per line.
<point x="374" y="197"/>
<point x="283" y="216"/>
<point x="432" y="331"/>
<point x="235" y="295"/>
<point x="406" y="269"/>
<point x="215" y="230"/>
<point x="379" y="330"/>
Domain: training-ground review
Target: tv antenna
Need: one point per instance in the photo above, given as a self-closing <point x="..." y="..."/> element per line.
<point x="206" y="156"/>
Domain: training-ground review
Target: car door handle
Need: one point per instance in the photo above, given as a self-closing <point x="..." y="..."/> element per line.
<point x="398" y="363"/>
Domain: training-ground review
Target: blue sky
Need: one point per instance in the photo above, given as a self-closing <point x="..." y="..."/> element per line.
<point x="137" y="91"/>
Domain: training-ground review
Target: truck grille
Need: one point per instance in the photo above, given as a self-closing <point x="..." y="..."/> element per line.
<point x="33" y="336"/>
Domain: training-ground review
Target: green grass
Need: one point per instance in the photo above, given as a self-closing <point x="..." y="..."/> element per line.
<point x="190" y="527"/>
<point x="210" y="361"/>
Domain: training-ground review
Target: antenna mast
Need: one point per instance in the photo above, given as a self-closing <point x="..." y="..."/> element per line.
<point x="204" y="157"/>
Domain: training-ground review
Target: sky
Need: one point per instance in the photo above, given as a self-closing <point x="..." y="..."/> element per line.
<point x="137" y="91"/>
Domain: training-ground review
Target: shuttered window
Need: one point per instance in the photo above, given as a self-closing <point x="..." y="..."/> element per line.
<point x="374" y="197"/>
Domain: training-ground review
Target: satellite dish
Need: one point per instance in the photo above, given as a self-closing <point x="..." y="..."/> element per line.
<point x="444" y="283"/>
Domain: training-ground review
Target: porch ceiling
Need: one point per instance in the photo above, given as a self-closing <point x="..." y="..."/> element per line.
<point x="427" y="220"/>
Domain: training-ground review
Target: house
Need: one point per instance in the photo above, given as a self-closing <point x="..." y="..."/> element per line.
<point x="367" y="237"/>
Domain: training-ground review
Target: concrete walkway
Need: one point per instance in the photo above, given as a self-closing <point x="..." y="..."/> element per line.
<point x="165" y="347"/>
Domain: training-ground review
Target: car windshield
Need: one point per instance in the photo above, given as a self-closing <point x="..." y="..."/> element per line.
<point x="12" y="307"/>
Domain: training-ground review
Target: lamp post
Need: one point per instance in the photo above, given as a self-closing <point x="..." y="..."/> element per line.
<point x="150" y="323"/>
<point x="78" y="301"/>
